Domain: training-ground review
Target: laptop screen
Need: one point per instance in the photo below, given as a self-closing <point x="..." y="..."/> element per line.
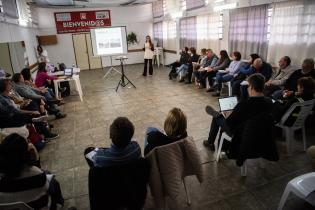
<point x="228" y="103"/>
<point x="68" y="72"/>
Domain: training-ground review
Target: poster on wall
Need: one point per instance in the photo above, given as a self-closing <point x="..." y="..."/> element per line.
<point x="81" y="21"/>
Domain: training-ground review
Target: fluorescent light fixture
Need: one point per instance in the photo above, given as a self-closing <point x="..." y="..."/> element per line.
<point x="224" y="6"/>
<point x="176" y="15"/>
<point x="217" y="1"/>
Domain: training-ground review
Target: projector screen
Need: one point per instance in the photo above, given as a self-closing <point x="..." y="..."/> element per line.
<point x="109" y="41"/>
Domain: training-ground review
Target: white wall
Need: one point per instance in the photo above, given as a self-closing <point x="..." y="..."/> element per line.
<point x="136" y="18"/>
<point x="13" y="33"/>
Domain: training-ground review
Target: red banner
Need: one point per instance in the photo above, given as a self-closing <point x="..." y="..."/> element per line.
<point x="82" y="21"/>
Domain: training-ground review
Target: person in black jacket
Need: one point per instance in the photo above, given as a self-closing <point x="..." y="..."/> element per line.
<point x="244" y="110"/>
<point x="184" y="59"/>
<point x="175" y="127"/>
<point x="194" y="59"/>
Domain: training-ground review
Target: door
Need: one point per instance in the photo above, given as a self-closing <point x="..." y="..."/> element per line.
<point x="5" y="60"/>
<point x="95" y="61"/>
<point x="83" y="52"/>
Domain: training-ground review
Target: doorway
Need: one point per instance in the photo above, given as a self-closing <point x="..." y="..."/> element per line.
<point x="83" y="52"/>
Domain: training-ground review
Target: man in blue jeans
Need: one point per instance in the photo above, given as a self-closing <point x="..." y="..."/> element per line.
<point x="256" y="104"/>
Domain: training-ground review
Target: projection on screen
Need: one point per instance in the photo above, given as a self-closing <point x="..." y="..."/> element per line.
<point x="109" y="41"/>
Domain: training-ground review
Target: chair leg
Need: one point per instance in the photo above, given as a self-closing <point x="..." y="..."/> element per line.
<point x="229" y="88"/>
<point x="288" y="138"/>
<point x="284" y="197"/>
<point x="244" y="169"/>
<point x="187" y="193"/>
<point x="219" y="149"/>
<point x="304" y="137"/>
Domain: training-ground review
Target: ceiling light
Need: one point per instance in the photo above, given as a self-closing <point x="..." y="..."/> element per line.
<point x="224" y="6"/>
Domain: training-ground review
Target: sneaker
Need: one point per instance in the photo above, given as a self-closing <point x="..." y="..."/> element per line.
<point x="182" y="80"/>
<point x="40" y="119"/>
<point x="144" y="75"/>
<point x="51" y="136"/>
<point x="211" y="111"/>
<point x="207" y="144"/>
<point x="60" y="115"/>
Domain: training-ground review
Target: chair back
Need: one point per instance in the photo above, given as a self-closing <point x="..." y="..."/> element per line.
<point x="119" y="187"/>
<point x="305" y="109"/>
<point x="15" y="206"/>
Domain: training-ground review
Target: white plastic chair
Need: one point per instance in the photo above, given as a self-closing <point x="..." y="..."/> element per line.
<point x="229" y="86"/>
<point x="301" y="186"/>
<point x="15" y="206"/>
<point x="224" y="136"/>
<point x="305" y="110"/>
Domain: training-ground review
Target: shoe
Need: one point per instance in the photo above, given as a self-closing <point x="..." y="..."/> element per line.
<point x="40" y="119"/>
<point x="182" y="80"/>
<point x="207" y="144"/>
<point x="144" y="75"/>
<point x="201" y="87"/>
<point x="54" y="101"/>
<point x="61" y="103"/>
<point x="217" y="94"/>
<point x="150" y="75"/>
<point x="210" y="90"/>
<point x="187" y="82"/>
<point x="51" y="136"/>
<point x="170" y="77"/>
<point x="60" y="115"/>
<point x="51" y="126"/>
<point x="212" y="112"/>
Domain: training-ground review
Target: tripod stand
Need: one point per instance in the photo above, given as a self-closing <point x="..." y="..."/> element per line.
<point x="111" y="68"/>
<point x="123" y="76"/>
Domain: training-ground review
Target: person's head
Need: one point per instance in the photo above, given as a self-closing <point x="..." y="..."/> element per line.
<point x="284" y="62"/>
<point x="257" y="64"/>
<point x="306" y="86"/>
<point x="308" y="64"/>
<point x="210" y="53"/>
<point x="203" y="51"/>
<point x="26" y="72"/>
<point x="193" y="51"/>
<point x="236" y="56"/>
<point x="223" y="55"/>
<point x="39" y="49"/>
<point x="5" y="86"/>
<point x="256" y="84"/>
<point x="17" y="78"/>
<point x="186" y="49"/>
<point x="253" y="57"/>
<point x="14" y="155"/>
<point x="42" y="67"/>
<point x="148" y="39"/>
<point x="175" y="123"/>
<point x="121" y="132"/>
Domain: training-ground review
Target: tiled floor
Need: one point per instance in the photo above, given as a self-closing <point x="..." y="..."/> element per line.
<point x="87" y="124"/>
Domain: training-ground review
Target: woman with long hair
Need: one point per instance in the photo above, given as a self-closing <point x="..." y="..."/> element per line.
<point x="148" y="56"/>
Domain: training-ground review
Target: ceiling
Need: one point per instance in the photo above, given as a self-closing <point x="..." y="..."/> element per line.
<point x="89" y="3"/>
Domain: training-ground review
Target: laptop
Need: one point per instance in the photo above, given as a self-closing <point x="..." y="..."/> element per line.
<point x="68" y="72"/>
<point x="227" y="103"/>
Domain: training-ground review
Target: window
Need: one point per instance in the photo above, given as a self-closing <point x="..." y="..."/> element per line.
<point x="10" y="9"/>
<point x="24" y="12"/>
<point x="194" y="4"/>
<point x="183" y="5"/>
<point x="188" y="34"/>
<point x="221" y="26"/>
<point x="270" y="10"/>
<point x="1" y="8"/>
<point x="157" y="8"/>
<point x="169" y="35"/>
<point x="158" y="33"/>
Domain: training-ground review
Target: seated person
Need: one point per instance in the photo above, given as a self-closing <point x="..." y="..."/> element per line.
<point x="291" y="84"/>
<point x="194" y="57"/>
<point x="122" y="150"/>
<point x="184" y="59"/>
<point x="199" y="63"/>
<point x="256" y="104"/>
<point x="259" y="66"/>
<point x="240" y="77"/>
<point x="221" y="64"/>
<point x="278" y="80"/>
<point x="201" y="74"/>
<point x="4" y="74"/>
<point x="228" y="74"/>
<point x="30" y="93"/>
<point x="175" y="127"/>
<point x="21" y="179"/>
<point x="305" y="92"/>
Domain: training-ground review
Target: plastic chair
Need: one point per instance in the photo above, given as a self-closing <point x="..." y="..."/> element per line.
<point x="15" y="206"/>
<point x="301" y="186"/>
<point x="305" y="110"/>
<point x="229" y="86"/>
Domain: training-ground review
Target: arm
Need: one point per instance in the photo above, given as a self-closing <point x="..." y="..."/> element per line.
<point x="281" y="81"/>
<point x="247" y="70"/>
<point x="222" y="66"/>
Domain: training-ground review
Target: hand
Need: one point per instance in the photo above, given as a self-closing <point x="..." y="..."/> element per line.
<point x="287" y="93"/>
<point x="227" y="113"/>
<point x="209" y="69"/>
<point x="45" y="90"/>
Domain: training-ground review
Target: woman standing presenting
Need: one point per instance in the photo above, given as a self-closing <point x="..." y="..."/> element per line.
<point x="148" y="56"/>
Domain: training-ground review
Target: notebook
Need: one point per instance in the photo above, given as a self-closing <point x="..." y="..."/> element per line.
<point x="227" y="103"/>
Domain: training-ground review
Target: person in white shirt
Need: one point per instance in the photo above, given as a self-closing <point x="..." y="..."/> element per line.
<point x="148" y="56"/>
<point x="228" y="74"/>
<point x="42" y="54"/>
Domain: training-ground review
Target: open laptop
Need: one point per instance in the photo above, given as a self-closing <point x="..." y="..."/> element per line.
<point x="68" y="72"/>
<point x="227" y="103"/>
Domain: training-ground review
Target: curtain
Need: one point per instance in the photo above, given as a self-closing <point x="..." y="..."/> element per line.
<point x="292" y="31"/>
<point x="158" y="33"/>
<point x="194" y="4"/>
<point x="10" y="9"/>
<point x="208" y="32"/>
<point x="169" y="35"/>
<point x="248" y="31"/>
<point x="188" y="34"/>
<point x="157" y="8"/>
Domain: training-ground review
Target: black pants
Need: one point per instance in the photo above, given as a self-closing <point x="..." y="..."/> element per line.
<point x="190" y="71"/>
<point x="146" y="67"/>
<point x="174" y="66"/>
